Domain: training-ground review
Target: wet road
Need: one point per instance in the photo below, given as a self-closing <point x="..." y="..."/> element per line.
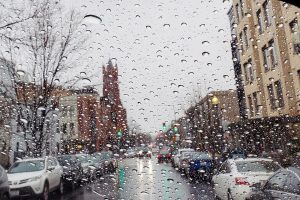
<point x="141" y="179"/>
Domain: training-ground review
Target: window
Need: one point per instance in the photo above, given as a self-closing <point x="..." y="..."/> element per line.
<point x="250" y="70"/>
<point x="237" y="10"/>
<point x="246" y="73"/>
<point x="273" y="53"/>
<point x="225" y="168"/>
<point x="72" y="128"/>
<point x="294" y="28"/>
<point x="257" y="166"/>
<point x="50" y="163"/>
<point x="260" y="21"/>
<point x="292" y="184"/>
<point x="241" y="41"/>
<point x="246" y="37"/>
<point x="271" y="96"/>
<point x="242" y="8"/>
<point x="265" y="58"/>
<point x="279" y="94"/>
<point x="255" y="101"/>
<point x="250" y="103"/>
<point x="64" y="128"/>
<point x="267" y="12"/>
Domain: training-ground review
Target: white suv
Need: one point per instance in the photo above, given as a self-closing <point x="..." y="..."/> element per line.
<point x="35" y="177"/>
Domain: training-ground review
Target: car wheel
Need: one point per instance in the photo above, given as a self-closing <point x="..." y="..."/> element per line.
<point x="217" y="198"/>
<point x="61" y="186"/>
<point x="5" y="197"/>
<point x="45" y="194"/>
<point x="229" y="195"/>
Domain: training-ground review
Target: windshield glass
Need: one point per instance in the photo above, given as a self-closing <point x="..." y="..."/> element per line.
<point x="117" y="82"/>
<point x="201" y="155"/>
<point x="27" y="166"/>
<point x="257" y="166"/>
<point x="83" y="158"/>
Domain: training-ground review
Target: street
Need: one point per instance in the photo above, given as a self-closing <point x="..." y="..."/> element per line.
<point x="141" y="179"/>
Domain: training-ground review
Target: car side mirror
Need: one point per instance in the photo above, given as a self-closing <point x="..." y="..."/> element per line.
<point x="215" y="171"/>
<point x="256" y="187"/>
<point x="51" y="168"/>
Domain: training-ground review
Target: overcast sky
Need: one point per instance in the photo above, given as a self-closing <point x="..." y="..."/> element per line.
<point x="169" y="52"/>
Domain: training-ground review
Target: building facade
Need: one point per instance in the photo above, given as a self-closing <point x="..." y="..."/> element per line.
<point x="205" y="124"/>
<point x="266" y="57"/>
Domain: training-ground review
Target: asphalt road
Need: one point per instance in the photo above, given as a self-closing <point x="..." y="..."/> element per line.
<point x="137" y="179"/>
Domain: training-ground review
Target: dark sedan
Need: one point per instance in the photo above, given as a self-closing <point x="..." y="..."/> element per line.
<point x="4" y="187"/>
<point x="72" y="170"/>
<point x="284" y="184"/>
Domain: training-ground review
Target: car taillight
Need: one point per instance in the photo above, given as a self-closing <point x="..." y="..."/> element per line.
<point x="241" y="181"/>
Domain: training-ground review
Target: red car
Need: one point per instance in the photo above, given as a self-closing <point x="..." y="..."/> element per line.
<point x="164" y="155"/>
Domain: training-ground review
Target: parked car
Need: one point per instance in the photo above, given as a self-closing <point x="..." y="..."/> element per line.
<point x="89" y="171"/>
<point x="4" y="186"/>
<point x="201" y="165"/>
<point x="284" y="184"/>
<point x="72" y="170"/>
<point x="235" y="176"/>
<point x="35" y="177"/>
<point x="178" y="153"/>
<point x="164" y="155"/>
<point x="130" y="153"/>
<point x="144" y="152"/>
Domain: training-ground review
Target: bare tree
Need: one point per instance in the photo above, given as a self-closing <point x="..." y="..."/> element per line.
<point x="48" y="43"/>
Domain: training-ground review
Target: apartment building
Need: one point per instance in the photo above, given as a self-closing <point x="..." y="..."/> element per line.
<point x="266" y="38"/>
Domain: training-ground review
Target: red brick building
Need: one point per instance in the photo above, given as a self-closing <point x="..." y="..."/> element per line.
<point x="99" y="119"/>
<point x="115" y="116"/>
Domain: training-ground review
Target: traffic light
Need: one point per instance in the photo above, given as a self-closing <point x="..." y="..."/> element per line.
<point x="175" y="129"/>
<point x="119" y="133"/>
<point x="164" y="127"/>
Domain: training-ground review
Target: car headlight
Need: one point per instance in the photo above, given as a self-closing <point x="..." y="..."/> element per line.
<point x="36" y="178"/>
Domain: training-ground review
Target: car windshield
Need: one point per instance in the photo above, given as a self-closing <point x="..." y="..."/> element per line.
<point x="27" y="166"/>
<point x="201" y="156"/>
<point x="257" y="166"/>
<point x="95" y="78"/>
<point x="83" y="158"/>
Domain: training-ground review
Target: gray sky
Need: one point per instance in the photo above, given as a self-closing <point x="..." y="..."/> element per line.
<point x="169" y="52"/>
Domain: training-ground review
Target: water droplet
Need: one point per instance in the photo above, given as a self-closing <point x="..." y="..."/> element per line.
<point x="205" y="53"/>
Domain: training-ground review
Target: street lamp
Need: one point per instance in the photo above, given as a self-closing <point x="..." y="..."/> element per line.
<point x="215" y="125"/>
